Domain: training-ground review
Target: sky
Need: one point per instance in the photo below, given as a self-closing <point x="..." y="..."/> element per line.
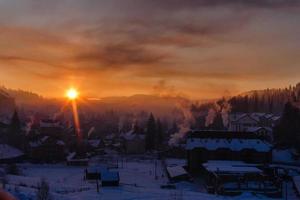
<point x="196" y="48"/>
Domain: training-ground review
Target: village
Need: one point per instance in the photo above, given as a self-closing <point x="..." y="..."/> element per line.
<point x="238" y="162"/>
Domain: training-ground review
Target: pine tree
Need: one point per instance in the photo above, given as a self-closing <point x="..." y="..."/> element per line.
<point x="15" y="136"/>
<point x="288" y="130"/>
<point x="159" y="135"/>
<point x="218" y="122"/>
<point x="151" y="132"/>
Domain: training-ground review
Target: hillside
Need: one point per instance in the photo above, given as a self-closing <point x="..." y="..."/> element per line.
<point x="268" y="100"/>
<point x="7" y="104"/>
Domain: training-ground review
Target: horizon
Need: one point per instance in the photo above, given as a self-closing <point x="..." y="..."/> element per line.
<point x="198" y="49"/>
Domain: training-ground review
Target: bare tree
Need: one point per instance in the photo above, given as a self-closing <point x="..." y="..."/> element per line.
<point x="43" y="192"/>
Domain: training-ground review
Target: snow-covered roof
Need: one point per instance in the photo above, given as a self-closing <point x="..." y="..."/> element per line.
<point x="71" y="156"/>
<point x="256" y="116"/>
<point x="49" y="124"/>
<point x="275" y="118"/>
<point x="255" y="129"/>
<point x="235" y="167"/>
<point x="60" y="142"/>
<point x="110" y="176"/>
<point x="131" y="136"/>
<point x="44" y="139"/>
<point x="176" y="171"/>
<point x="94" y="143"/>
<point x="232" y="144"/>
<point x="8" y="152"/>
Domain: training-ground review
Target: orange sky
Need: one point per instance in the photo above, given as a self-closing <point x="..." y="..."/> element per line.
<point x="197" y="48"/>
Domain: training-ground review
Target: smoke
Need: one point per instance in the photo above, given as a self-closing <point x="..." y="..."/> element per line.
<point x="210" y="117"/>
<point x="193" y="111"/>
<point x="187" y="119"/>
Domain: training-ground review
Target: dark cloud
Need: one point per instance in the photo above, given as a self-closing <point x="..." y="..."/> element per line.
<point x="121" y="54"/>
<point x="192" y="4"/>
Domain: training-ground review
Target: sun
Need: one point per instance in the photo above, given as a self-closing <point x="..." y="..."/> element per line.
<point x="72" y="94"/>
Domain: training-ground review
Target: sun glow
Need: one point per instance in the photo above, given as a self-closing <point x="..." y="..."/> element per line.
<point x="72" y="94"/>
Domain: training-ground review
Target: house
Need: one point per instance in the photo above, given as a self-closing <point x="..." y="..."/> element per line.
<point x="236" y="177"/>
<point x="110" y="178"/>
<point x="134" y="143"/>
<point x="264" y="132"/>
<point x="47" y="149"/>
<point x="49" y="127"/>
<point x="203" y="146"/>
<point x="245" y="121"/>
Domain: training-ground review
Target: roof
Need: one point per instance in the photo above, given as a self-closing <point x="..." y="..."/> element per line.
<point x="9" y="152"/>
<point x="48" y="123"/>
<point x="234" y="167"/>
<point x="256" y="116"/>
<point x="176" y="171"/>
<point x="222" y="134"/>
<point x="110" y="176"/>
<point x="94" y="143"/>
<point x="60" y="142"/>
<point x="231" y="144"/>
<point x="255" y="129"/>
<point x="43" y="140"/>
<point x="131" y="136"/>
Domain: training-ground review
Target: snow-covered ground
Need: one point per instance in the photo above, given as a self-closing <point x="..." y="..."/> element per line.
<point x="140" y="179"/>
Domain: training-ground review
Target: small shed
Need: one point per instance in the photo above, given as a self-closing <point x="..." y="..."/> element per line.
<point x="110" y="178"/>
<point x="95" y="173"/>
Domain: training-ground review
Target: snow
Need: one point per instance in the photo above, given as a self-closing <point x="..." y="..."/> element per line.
<point x="232" y="144"/>
<point x="138" y="180"/>
<point x="8" y="152"/>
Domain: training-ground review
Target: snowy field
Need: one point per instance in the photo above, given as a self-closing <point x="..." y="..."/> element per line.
<point x="138" y="181"/>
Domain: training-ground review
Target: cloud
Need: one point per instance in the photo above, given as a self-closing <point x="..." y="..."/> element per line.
<point x="140" y="42"/>
<point x="119" y="55"/>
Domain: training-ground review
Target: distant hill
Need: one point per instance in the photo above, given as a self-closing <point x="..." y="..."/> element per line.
<point x="268" y="100"/>
<point x="160" y="106"/>
<point x="21" y="96"/>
